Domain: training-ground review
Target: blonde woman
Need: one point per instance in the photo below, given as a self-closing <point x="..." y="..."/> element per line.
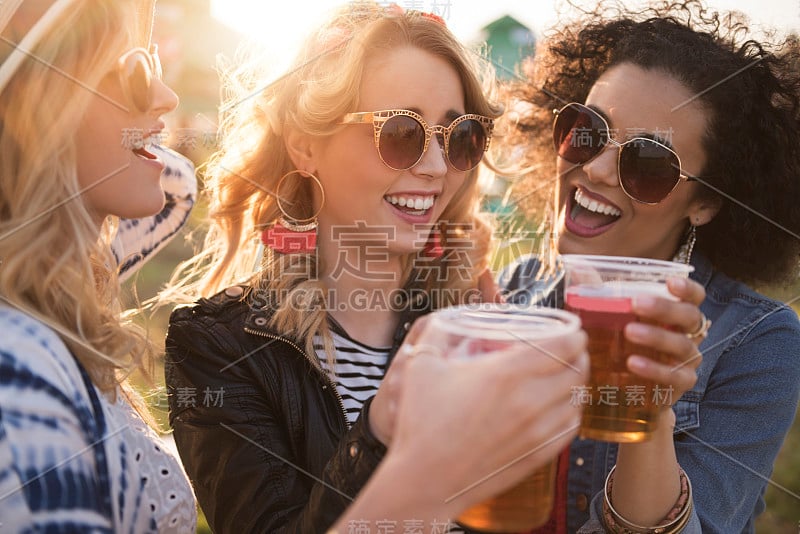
<point x="75" y="453"/>
<point x="357" y="171"/>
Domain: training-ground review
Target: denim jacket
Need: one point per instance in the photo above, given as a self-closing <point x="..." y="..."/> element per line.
<point x="729" y="426"/>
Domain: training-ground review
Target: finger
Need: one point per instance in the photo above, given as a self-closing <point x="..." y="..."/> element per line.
<point x="416" y="330"/>
<point x="699" y="333"/>
<point x="687" y="290"/>
<point x="547" y="392"/>
<point x="561" y="421"/>
<point x="538" y="436"/>
<point x="681" y="378"/>
<point x="490" y="291"/>
<point x="546" y="356"/>
<point x="684" y="316"/>
<point x="676" y="345"/>
<point x="526" y="450"/>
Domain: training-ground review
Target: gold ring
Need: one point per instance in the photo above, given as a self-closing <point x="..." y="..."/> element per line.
<point x="702" y="330"/>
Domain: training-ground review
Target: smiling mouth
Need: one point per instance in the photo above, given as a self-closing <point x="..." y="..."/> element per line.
<point x="412" y="204"/>
<point x="590" y="213"/>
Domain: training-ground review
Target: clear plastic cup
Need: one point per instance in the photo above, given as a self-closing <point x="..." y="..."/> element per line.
<point x="473" y="331"/>
<point x="617" y="405"/>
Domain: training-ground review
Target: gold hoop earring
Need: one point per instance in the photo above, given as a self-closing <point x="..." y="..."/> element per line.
<point x="293" y="235"/>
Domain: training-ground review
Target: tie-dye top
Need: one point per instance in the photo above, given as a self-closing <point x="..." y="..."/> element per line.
<point x="71" y="460"/>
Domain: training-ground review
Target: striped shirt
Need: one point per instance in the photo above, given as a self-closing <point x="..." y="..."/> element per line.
<point x="358" y="372"/>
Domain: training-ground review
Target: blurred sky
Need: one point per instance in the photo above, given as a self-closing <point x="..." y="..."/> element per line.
<point x="280" y="25"/>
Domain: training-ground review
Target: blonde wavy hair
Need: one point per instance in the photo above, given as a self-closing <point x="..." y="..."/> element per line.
<point x="321" y="86"/>
<point x="54" y="267"/>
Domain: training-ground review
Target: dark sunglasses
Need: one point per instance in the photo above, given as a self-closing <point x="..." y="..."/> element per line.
<point x="402" y="137"/>
<point x="648" y="170"/>
<point x="137" y="68"/>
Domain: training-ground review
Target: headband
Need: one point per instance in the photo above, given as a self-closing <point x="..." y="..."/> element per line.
<point x="8" y="9"/>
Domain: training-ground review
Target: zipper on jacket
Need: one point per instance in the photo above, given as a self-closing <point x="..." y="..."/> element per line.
<point x="325" y="376"/>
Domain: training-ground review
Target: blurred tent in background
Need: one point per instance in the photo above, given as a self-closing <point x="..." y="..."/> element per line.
<point x="509" y="42"/>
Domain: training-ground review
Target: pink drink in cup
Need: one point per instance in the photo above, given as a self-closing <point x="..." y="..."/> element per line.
<point x="473" y="331"/>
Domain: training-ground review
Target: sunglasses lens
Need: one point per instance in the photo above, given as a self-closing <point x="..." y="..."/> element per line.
<point x="579" y="134"/>
<point x="401" y="142"/>
<point x="137" y="76"/>
<point x="466" y="144"/>
<point x="648" y="171"/>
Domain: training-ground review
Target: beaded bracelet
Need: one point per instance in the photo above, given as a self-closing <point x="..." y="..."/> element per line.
<point x="674" y="521"/>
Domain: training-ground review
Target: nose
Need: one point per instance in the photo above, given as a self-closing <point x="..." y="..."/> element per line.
<point x="603" y="168"/>
<point x="432" y="164"/>
<point x="164" y="98"/>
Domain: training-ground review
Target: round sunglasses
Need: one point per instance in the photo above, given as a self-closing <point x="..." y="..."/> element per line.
<point x="402" y="137"/>
<point x="648" y="170"/>
<point x="137" y="68"/>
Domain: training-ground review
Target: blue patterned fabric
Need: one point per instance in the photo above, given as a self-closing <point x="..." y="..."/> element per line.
<point x="71" y="460"/>
<point x="138" y="239"/>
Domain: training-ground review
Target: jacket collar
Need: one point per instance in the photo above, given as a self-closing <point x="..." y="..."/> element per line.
<point x="703" y="270"/>
<point x="261" y="308"/>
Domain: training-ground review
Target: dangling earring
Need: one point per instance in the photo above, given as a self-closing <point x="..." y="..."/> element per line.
<point x="289" y="235"/>
<point x="684" y="254"/>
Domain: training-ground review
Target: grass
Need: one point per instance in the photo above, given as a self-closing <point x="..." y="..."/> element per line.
<point x="782" y="515"/>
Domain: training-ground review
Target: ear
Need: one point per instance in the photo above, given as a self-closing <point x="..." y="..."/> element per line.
<point x="702" y="210"/>
<point x="301" y="150"/>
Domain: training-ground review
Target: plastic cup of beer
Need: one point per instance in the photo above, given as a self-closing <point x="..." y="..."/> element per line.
<point x="617" y="405"/>
<point x="471" y="331"/>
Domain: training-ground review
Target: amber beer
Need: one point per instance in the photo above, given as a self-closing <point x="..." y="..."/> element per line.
<point x="473" y="331"/>
<point x="524" y="507"/>
<point x="617" y="405"/>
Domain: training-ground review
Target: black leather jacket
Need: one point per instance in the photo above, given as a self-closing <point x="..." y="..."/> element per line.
<point x="264" y="439"/>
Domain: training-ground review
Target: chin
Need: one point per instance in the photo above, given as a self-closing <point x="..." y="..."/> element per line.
<point x="401" y="249"/>
<point x="141" y="207"/>
<point x="570" y="244"/>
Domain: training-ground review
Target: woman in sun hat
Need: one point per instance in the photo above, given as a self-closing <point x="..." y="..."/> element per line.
<point x="75" y="451"/>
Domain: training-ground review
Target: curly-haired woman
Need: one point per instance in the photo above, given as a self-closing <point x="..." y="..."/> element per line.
<point x="676" y="137"/>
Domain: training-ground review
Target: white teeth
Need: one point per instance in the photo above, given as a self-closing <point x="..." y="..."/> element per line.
<point x="415" y="203"/>
<point x="594" y="205"/>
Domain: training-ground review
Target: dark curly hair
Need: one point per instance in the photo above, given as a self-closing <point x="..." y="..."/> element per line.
<point x="751" y="91"/>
